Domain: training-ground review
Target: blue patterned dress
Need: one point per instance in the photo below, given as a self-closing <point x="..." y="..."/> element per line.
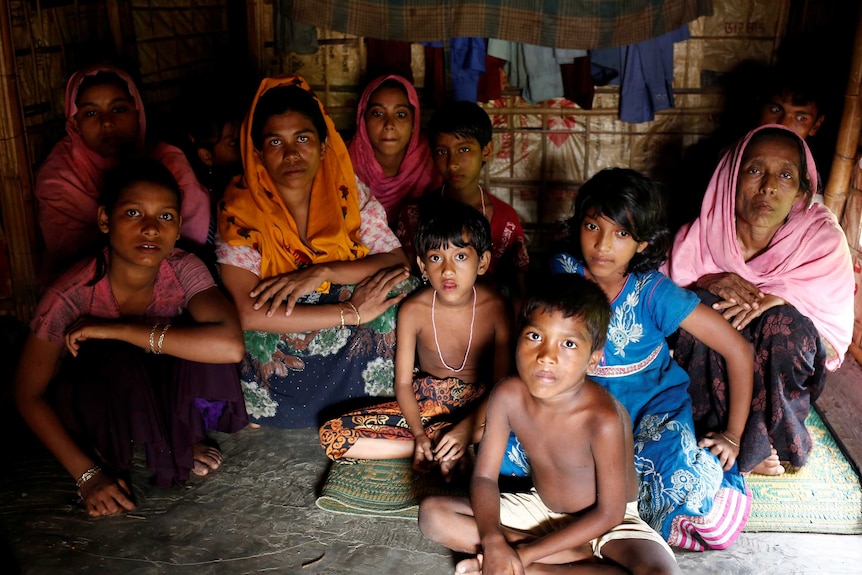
<point x="684" y="494"/>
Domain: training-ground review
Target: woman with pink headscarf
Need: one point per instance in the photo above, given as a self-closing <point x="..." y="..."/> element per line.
<point x="388" y="151"/>
<point x="778" y="267"/>
<point x="105" y="123"/>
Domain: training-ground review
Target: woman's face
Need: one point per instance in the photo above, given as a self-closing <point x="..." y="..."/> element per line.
<point x="107" y="120"/>
<point x="291" y="151"/>
<point x="769" y="182"/>
<point x="389" y="122"/>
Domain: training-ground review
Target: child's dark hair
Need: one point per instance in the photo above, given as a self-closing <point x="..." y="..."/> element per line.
<point x="786" y="82"/>
<point x="632" y="200"/>
<point x="463" y="119"/>
<point x="573" y="296"/>
<point x="103" y="78"/>
<point x="444" y="222"/>
<point x="283" y="99"/>
<point x="120" y="178"/>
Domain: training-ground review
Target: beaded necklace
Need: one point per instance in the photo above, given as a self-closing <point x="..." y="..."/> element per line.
<point x="469" y="341"/>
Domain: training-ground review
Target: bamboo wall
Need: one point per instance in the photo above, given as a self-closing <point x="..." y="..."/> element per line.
<point x="543" y="152"/>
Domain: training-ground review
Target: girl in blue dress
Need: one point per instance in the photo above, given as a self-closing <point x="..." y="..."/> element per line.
<point x="690" y="491"/>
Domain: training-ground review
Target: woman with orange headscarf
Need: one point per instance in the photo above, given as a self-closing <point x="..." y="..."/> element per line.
<point x="297" y="233"/>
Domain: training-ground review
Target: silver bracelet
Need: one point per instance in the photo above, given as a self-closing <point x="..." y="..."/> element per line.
<point x="152" y="338"/>
<point x="88" y="475"/>
<point x="162" y="337"/>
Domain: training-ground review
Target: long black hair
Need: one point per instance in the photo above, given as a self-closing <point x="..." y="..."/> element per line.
<point x="635" y="202"/>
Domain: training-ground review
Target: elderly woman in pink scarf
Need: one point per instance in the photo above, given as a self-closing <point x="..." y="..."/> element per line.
<point x="105" y="123"/>
<point x="388" y="151"/>
<point x="778" y="267"/>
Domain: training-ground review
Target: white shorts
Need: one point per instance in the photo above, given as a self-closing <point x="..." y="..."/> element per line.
<point x="527" y="513"/>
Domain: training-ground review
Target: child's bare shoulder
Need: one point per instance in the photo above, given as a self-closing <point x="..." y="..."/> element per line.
<point x="602" y="405"/>
<point x="489" y="298"/>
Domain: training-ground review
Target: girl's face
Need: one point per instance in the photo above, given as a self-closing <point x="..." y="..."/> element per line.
<point x="768" y="184"/>
<point x="144" y="224"/>
<point x="389" y="122"/>
<point x="107" y="120"/>
<point x="291" y="151"/>
<point x="607" y="249"/>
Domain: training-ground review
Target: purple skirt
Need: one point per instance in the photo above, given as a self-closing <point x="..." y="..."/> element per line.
<point x="114" y="395"/>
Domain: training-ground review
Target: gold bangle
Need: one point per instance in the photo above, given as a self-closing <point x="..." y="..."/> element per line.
<point x="88" y="475"/>
<point x="729" y="440"/>
<point x="341" y="313"/>
<point x="152" y="338"/>
<point x="162" y="337"/>
<point x="356" y="311"/>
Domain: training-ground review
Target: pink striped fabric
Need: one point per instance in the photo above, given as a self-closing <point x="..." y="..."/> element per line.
<point x="716" y="530"/>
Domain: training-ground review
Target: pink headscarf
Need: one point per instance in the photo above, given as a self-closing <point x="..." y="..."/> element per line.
<point x="807" y="262"/>
<point x="69" y="181"/>
<point x="417" y="173"/>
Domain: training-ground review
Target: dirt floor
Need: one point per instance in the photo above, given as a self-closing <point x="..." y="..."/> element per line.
<point x="257" y="514"/>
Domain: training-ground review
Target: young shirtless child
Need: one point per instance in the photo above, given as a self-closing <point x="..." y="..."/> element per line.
<point x="581" y="515"/>
<point x="458" y="330"/>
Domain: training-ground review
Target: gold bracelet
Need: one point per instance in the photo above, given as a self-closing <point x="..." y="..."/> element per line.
<point x="162" y="337"/>
<point x="88" y="475"/>
<point x="356" y="311"/>
<point x="341" y="313"/>
<point x="152" y="338"/>
<point x="729" y="440"/>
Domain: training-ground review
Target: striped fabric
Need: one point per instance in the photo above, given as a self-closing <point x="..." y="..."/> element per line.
<point x="583" y="24"/>
<point x="716" y="530"/>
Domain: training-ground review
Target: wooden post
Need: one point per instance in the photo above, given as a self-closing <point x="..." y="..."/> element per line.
<point x="835" y="194"/>
<point x="16" y="203"/>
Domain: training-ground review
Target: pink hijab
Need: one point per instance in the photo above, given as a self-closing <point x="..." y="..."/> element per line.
<point x="807" y="263"/>
<point x="417" y="173"/>
<point x="69" y="181"/>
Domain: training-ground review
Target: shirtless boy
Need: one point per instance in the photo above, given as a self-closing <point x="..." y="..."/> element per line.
<point x="458" y="330"/>
<point x="581" y="516"/>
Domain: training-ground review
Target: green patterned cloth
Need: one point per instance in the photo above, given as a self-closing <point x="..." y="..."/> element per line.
<point x="822" y="497"/>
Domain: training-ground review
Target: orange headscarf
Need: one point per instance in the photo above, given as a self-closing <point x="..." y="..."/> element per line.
<point x="253" y="213"/>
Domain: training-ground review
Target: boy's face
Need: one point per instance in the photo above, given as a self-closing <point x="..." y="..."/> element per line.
<point x="805" y="120"/>
<point x="452" y="271"/>
<point x="553" y="353"/>
<point x="459" y="160"/>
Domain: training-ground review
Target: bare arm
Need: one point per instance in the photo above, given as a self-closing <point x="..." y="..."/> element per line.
<point x="36" y="367"/>
<point x="498" y="555"/>
<point x="709" y="327"/>
<point x="405" y="353"/>
<point x="370" y="297"/>
<point x="287" y="288"/>
<point x="216" y="336"/>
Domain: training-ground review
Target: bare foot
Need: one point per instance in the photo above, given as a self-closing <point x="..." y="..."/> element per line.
<point x="253" y="425"/>
<point x="207" y="458"/>
<point x="467" y="566"/>
<point x="769" y="466"/>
